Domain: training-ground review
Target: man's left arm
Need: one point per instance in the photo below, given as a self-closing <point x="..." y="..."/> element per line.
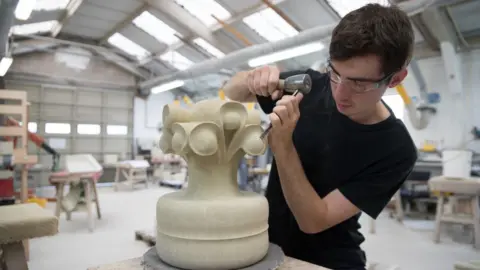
<point x="369" y="192"/>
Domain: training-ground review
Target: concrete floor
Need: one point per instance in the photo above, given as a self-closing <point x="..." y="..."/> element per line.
<point x="124" y="212"/>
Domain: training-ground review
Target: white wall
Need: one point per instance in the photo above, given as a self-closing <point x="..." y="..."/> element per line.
<point x="455" y="113"/>
<point x="147" y="115"/>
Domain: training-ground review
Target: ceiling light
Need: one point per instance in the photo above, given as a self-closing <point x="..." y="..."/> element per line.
<point x="286" y="54"/>
<point x="167" y="86"/>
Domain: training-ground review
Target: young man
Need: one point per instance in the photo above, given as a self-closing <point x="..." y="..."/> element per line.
<point x="338" y="151"/>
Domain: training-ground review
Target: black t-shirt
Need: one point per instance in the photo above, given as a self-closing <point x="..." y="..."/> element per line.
<point x="367" y="163"/>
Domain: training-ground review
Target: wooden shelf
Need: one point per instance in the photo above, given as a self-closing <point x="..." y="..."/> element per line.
<point x="20" y="152"/>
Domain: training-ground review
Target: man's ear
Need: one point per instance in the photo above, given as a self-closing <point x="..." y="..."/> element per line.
<point x="398" y="78"/>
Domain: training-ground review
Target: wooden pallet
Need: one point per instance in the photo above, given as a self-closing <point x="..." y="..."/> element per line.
<point x="146" y="236"/>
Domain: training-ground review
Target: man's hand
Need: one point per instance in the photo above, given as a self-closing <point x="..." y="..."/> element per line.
<point x="284" y="119"/>
<point x="263" y="81"/>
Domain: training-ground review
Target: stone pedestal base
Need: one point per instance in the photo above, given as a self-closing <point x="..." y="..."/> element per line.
<point x="272" y="260"/>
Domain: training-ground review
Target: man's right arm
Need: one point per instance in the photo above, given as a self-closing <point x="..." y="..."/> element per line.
<point x="237" y="88"/>
<point x="264" y="83"/>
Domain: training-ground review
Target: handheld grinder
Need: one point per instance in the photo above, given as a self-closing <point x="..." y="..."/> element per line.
<point x="301" y="83"/>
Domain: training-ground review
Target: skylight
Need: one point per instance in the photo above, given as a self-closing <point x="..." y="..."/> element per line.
<point x="128" y="46"/>
<point x="33" y="28"/>
<point x="51" y="4"/>
<point x="177" y="60"/>
<point x="268" y="24"/>
<point x="209" y="48"/>
<point x="156" y="28"/>
<point x="342" y="7"/>
<point x="204" y="9"/>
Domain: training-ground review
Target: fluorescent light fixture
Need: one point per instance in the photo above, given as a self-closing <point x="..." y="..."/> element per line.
<point x="209" y="48"/>
<point x="167" y="86"/>
<point x="34" y="28"/>
<point x="5" y="64"/>
<point x="286" y="54"/>
<point x="268" y="24"/>
<point x="156" y="28"/>
<point x="342" y="7"/>
<point x="128" y="46"/>
<point x="24" y="9"/>
<point x="204" y="9"/>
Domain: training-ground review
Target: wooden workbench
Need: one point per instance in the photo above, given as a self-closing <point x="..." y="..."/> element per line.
<point x="136" y="264"/>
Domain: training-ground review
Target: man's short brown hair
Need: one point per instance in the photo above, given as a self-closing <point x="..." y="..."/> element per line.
<point x="374" y="30"/>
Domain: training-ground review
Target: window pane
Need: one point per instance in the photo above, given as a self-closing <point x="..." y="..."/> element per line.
<point x="34" y="28"/>
<point x="177" y="60"/>
<point x="128" y="46"/>
<point x="204" y="9"/>
<point x="117" y="130"/>
<point x="48" y="5"/>
<point x="32" y="127"/>
<point x="268" y="24"/>
<point x="57" y="128"/>
<point x="88" y="129"/>
<point x="395" y="102"/>
<point x="156" y="28"/>
<point x="209" y="48"/>
<point x="342" y="7"/>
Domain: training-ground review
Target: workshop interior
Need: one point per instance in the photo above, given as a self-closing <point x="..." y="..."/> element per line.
<point x="101" y="101"/>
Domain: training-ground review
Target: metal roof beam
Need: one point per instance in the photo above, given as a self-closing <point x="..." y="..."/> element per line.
<point x="32" y="45"/>
<point x="7" y="18"/>
<point x="71" y="8"/>
<point x="235" y="18"/>
<point x="123" y="23"/>
<point x="440" y="26"/>
<point x="183" y="17"/>
<point x="106" y="53"/>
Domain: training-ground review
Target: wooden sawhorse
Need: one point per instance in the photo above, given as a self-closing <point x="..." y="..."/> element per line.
<point x="132" y="173"/>
<point x="88" y="182"/>
<point x="468" y="188"/>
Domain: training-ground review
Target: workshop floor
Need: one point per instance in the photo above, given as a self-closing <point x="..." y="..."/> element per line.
<point x="124" y="212"/>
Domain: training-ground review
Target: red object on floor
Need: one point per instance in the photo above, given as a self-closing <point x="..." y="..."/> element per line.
<point x="6" y="188"/>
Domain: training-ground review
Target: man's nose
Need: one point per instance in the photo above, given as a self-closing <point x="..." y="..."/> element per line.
<point x="343" y="91"/>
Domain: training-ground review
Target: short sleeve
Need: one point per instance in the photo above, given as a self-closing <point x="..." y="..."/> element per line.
<point x="372" y="189"/>
<point x="266" y="103"/>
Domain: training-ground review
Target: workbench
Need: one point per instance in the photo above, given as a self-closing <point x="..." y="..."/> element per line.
<point x="136" y="264"/>
<point x="134" y="172"/>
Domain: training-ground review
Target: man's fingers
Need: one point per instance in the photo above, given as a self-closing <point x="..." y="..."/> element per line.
<point x="290" y="103"/>
<point x="296" y="106"/>
<point x="282" y="112"/>
<point x="256" y="82"/>
<point x="264" y="80"/>
<point x="277" y="94"/>
<point x="273" y="79"/>
<point x="250" y="81"/>
<point x="275" y="120"/>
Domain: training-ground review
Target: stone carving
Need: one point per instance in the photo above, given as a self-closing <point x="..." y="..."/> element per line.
<point x="212" y="224"/>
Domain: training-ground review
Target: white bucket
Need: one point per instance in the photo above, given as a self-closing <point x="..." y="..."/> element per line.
<point x="457" y="163"/>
